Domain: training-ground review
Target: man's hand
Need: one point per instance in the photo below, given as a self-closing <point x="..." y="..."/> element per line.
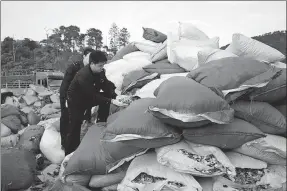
<point x="118" y="103"/>
<point x="66" y="104"/>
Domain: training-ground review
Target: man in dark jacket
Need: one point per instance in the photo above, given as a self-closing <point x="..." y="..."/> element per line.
<point x="69" y="76"/>
<point x="84" y="92"/>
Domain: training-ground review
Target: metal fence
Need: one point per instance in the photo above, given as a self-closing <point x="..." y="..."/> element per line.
<point x="17" y="84"/>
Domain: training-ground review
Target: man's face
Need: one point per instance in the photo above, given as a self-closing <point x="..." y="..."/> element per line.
<point x="86" y="59"/>
<point x="97" y="68"/>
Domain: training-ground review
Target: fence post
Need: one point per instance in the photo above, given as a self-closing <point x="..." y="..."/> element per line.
<point x="19" y="83"/>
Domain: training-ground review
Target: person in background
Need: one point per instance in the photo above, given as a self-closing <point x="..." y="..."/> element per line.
<point x="84" y="92"/>
<point x="68" y="77"/>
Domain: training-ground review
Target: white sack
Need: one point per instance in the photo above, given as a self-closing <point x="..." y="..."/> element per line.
<point x="209" y="54"/>
<point x="146" y="166"/>
<point x="51" y="147"/>
<point x="196" y="159"/>
<point x="147" y="46"/>
<point x="184" y="51"/>
<point x="244" y="46"/>
<point x="271" y="149"/>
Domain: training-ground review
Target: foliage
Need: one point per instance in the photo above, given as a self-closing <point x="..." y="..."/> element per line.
<point x="95" y="38"/>
<point x="124" y="36"/>
<point x="57" y="51"/>
<point x="113" y="37"/>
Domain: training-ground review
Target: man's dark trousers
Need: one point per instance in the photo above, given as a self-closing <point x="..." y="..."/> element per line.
<point x="64" y="122"/>
<point x="76" y="115"/>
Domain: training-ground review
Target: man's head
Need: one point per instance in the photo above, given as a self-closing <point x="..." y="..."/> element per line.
<point x="97" y="61"/>
<point x="86" y="55"/>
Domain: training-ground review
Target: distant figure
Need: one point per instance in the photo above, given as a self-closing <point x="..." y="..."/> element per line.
<point x="68" y="77"/>
<point x="84" y="92"/>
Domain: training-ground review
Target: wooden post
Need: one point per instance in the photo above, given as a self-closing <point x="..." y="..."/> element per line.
<point x="19" y="83"/>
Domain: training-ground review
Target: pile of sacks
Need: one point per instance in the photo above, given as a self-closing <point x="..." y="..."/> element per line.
<point x="29" y="135"/>
<point x="25" y="147"/>
<point x="41" y="101"/>
<point x="31" y="152"/>
<point x="204" y="119"/>
<point x="34" y="105"/>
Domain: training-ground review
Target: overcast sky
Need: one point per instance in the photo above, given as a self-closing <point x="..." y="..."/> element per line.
<point x="29" y="18"/>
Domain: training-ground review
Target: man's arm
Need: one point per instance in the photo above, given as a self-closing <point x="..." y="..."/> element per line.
<point x="108" y="86"/>
<point x="88" y="88"/>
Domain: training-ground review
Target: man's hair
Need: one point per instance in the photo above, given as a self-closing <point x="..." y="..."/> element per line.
<point x="97" y="57"/>
<point x="87" y="51"/>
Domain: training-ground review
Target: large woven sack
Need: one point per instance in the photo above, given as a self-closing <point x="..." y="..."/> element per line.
<point x="261" y="114"/>
<point x="17" y="169"/>
<point x="64" y="164"/>
<point x="102" y="157"/>
<point x="13" y="122"/>
<point x="110" y="188"/>
<point x="5" y="131"/>
<point x="178" y="104"/>
<point x="147" y="46"/>
<point x="244" y="161"/>
<point x="60" y="186"/>
<point x="23" y="119"/>
<point x="30" y="99"/>
<point x="137" y="79"/>
<point x="137" y="54"/>
<point x="56" y="124"/>
<point x="251" y="173"/>
<point x="247" y="47"/>
<point x="160" y="53"/>
<point x="147" y="132"/>
<point x="55" y="98"/>
<point x="124" y="51"/>
<point x="27" y="109"/>
<point x="30" y="92"/>
<point x="281" y="171"/>
<point x="115" y="71"/>
<point x="153" y="35"/>
<point x="184" y="51"/>
<point x="80" y="179"/>
<point x="209" y="54"/>
<point x="7" y="109"/>
<point x="279" y="64"/>
<point x="196" y="159"/>
<point x="147" y="91"/>
<point x="271" y="149"/>
<point x="146" y="174"/>
<point x="190" y="31"/>
<point x="11" y="100"/>
<point x="99" y="181"/>
<point x="31" y="138"/>
<point x="33" y="118"/>
<point x="227" y="136"/>
<point x="49" y="124"/>
<point x="233" y="75"/>
<point x="9" y="141"/>
<point x="282" y="109"/>
<point x="113" y="117"/>
<point x="206" y="183"/>
<point x="48" y="110"/>
<point x="50" y="146"/>
<point x="274" y="91"/>
<point x="164" y="68"/>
